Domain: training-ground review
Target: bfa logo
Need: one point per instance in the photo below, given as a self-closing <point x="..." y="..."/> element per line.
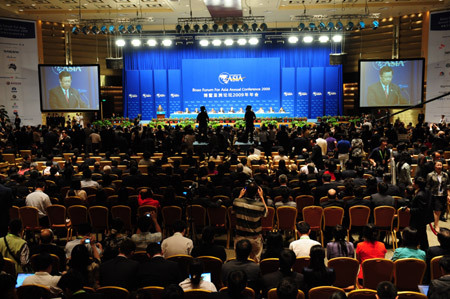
<point x="224" y="78"/>
<point x="302" y="93"/>
<point x="58" y="69"/>
<point x="317" y="93"/>
<point x="287" y="93"/>
<point x="379" y="64"/>
<point x="174" y="95"/>
<point x="132" y="95"/>
<point x="331" y="93"/>
<point x="160" y="95"/>
<point x="146" y="95"/>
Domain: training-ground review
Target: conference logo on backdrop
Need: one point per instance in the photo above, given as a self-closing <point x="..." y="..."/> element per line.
<point x="70" y="69"/>
<point x="331" y="93"/>
<point x="287" y="93"/>
<point x="302" y="93"/>
<point x="317" y="93"/>
<point x="160" y="95"/>
<point x="132" y="96"/>
<point x="174" y="95"/>
<point x="146" y="95"/>
<point x="225" y="78"/>
<point x="380" y="64"/>
<point x="13" y="89"/>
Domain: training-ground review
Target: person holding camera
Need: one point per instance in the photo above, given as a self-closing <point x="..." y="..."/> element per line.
<point x="250" y="207"/>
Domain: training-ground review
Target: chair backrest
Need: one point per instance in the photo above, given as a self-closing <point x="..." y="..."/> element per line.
<point x="10" y="266"/>
<point x="362" y="294"/>
<point x="140" y="256"/>
<point x="286" y="218"/>
<point x="332" y="216"/>
<point x="300" y="263"/>
<point x="29" y="217"/>
<point x="217" y="217"/>
<point x="56" y="215"/>
<point x="90" y="190"/>
<point x="269" y="265"/>
<point x="124" y="213"/>
<point x="213" y="265"/>
<point x="196" y="294"/>
<point x="346" y="270"/>
<point x="183" y="262"/>
<point x="303" y="201"/>
<point x="313" y="216"/>
<point x="267" y="222"/>
<point x="155" y="292"/>
<point x="14" y="213"/>
<point x="39" y="291"/>
<point x="98" y="216"/>
<point x="114" y="292"/>
<point x="231" y="218"/>
<point x="403" y="218"/>
<point x="170" y="214"/>
<point x="384" y="217"/>
<point x="408" y="273"/>
<point x="375" y="271"/>
<point x="198" y="215"/>
<point x="359" y="216"/>
<point x="323" y="292"/>
<point x="247" y="292"/>
<point x="77" y="215"/>
<point x="272" y="294"/>
<point x="109" y="191"/>
<point x="411" y="295"/>
<point x="435" y="269"/>
<point x="73" y="200"/>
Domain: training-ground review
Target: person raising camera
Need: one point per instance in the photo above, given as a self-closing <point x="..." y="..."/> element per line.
<point x="250" y="207"/>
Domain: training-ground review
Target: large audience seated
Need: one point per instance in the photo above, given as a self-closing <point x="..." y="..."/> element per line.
<point x="132" y="197"/>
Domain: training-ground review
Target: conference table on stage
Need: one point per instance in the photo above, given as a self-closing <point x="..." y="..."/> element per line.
<point x="232" y="115"/>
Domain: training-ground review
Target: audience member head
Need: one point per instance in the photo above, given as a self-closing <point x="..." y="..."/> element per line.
<point x="144" y="223"/>
<point x="43" y="262"/>
<point x="339" y="234"/>
<point x="386" y="290"/>
<point x="282" y="179"/>
<point x="444" y="238"/>
<point x="127" y="247"/>
<point x="317" y="255"/>
<point x="153" y="248"/>
<point x="80" y="258"/>
<point x="243" y="249"/>
<point x="84" y="230"/>
<point x="46" y="236"/>
<point x="196" y="271"/>
<point x="237" y="281"/>
<point x="87" y="174"/>
<point x="179" y="226"/>
<point x="410" y="237"/>
<point x="172" y="291"/>
<point x="208" y="235"/>
<point x="15" y="227"/>
<point x="303" y="228"/>
<point x="71" y="282"/>
<point x="274" y="242"/>
<point x="331" y="194"/>
<point x="287" y="261"/>
<point x="8" y="287"/>
<point x="420" y="183"/>
<point x="287" y="289"/>
<point x="444" y="263"/>
<point x="252" y="189"/>
<point x="370" y="233"/>
<point x="382" y="188"/>
<point x="117" y="226"/>
<point x="326" y="178"/>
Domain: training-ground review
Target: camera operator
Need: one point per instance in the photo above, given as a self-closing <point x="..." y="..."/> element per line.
<point x="250" y="207"/>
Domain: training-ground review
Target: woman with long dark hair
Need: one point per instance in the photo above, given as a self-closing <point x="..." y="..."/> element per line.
<point x="370" y="248"/>
<point x="410" y="244"/>
<point x="82" y="262"/>
<point x="195" y="280"/>
<point x="437" y="183"/>
<point x="339" y="247"/>
<point x="317" y="274"/>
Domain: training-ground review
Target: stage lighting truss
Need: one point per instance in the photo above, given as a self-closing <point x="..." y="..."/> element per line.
<point x="229" y="40"/>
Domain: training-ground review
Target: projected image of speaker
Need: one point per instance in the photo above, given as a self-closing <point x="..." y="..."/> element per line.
<point x="337" y="58"/>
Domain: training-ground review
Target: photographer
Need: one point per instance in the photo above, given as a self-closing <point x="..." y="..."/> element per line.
<point x="249" y="207"/>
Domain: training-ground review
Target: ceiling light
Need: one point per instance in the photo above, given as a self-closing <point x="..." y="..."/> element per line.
<point x="75" y="30"/>
<point x="216" y="42"/>
<point x="152" y="42"/>
<point x="254" y="26"/>
<point x="244" y="27"/>
<point x="85" y="30"/>
<point x="187" y="28"/>
<point x="166" y="42"/>
<point x="228" y="42"/>
<point x="362" y="25"/>
<point x="111" y="29"/>
<point x="205" y="27"/>
<point x="225" y="27"/>
<point x="301" y="26"/>
<point x="337" y="38"/>
<point x="138" y="28"/>
<point x="323" y="38"/>
<point x="293" y="39"/>
<point x="375" y="24"/>
<point x="95" y="30"/>
<point x="196" y="27"/>
<point x="308" y="39"/>
<point x="103" y="29"/>
<point x="350" y="26"/>
<point x="136" y="42"/>
<point x="178" y="28"/>
<point x="253" y="41"/>
<point x="120" y="42"/>
<point x="204" y="42"/>
<point x="122" y="29"/>
<point x="312" y="26"/>
<point x="242" y="42"/>
<point x="130" y="29"/>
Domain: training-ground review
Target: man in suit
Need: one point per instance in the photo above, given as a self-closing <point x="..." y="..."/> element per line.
<point x="382" y="198"/>
<point x="157" y="271"/>
<point x="121" y="270"/>
<point x="64" y="96"/>
<point x="443" y="237"/>
<point x="6" y="200"/>
<point x="441" y="286"/>
<point x="384" y="92"/>
<point x="322" y="191"/>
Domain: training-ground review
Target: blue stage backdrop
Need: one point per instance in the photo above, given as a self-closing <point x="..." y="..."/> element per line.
<point x="298" y="79"/>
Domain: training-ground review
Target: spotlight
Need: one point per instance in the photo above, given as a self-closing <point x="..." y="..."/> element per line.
<point x="103" y="30"/>
<point x="85" y="30"/>
<point x="95" y="30"/>
<point x="136" y="42"/>
<point x="122" y="29"/>
<point x="312" y="26"/>
<point x="292" y="39"/>
<point x="178" y="28"/>
<point x="375" y="24"/>
<point x="205" y="28"/>
<point x="244" y="27"/>
<point x="301" y="26"/>
<point x="242" y="42"/>
<point x="350" y="26"/>
<point x="216" y="42"/>
<point x="322" y="26"/>
<point x="323" y="38"/>
<point x="263" y="27"/>
<point x="187" y="28"/>
<point x="204" y="42"/>
<point x="330" y="26"/>
<point x="337" y="38"/>
<point x="215" y="27"/>
<point x="152" y="43"/>
<point x="228" y="42"/>
<point x="225" y="27"/>
<point x="75" y="30"/>
<point x="339" y="26"/>
<point x="196" y="27"/>
<point x="120" y="42"/>
<point x="235" y="27"/>
<point x="139" y="28"/>
<point x="254" y="26"/>
<point x="253" y="41"/>
<point x="308" y="39"/>
<point x="166" y="42"/>
<point x="130" y="29"/>
<point x="362" y="25"/>
<point x="111" y="29"/>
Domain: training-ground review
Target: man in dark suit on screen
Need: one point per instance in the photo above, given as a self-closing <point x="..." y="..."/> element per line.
<point x="64" y="96"/>
<point x="384" y="92"/>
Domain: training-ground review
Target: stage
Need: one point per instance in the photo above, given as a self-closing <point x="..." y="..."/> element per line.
<point x="233" y="115"/>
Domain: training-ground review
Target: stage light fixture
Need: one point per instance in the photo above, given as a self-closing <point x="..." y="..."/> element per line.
<point x="337" y="38"/>
<point x="215" y="27"/>
<point x="375" y="24"/>
<point x="204" y="42"/>
<point x="324" y="38"/>
<point x="178" y="28"/>
<point x="350" y="26"/>
<point x="112" y="29"/>
<point x="136" y="42"/>
<point x="339" y="26"/>
<point x="152" y="43"/>
<point x="293" y="39"/>
<point x="205" y="27"/>
<point x="95" y="30"/>
<point x="120" y="42"/>
<point x="330" y="26"/>
<point x="166" y="42"/>
<point x="312" y="26"/>
<point x="235" y="27"/>
<point x="244" y="27"/>
<point x="253" y="41"/>
<point x="85" y="30"/>
<point x="187" y="28"/>
<point x="139" y="28"/>
<point x="362" y="25"/>
<point x="308" y="39"/>
<point x="130" y="29"/>
<point x="301" y="26"/>
<point x="103" y="29"/>
<point x="216" y="42"/>
<point x="75" y="30"/>
<point x="322" y="26"/>
<point x="122" y="29"/>
<point x="254" y="26"/>
<point x="242" y="42"/>
<point x="196" y="27"/>
<point x="225" y="27"/>
<point x="263" y="27"/>
<point x="228" y="42"/>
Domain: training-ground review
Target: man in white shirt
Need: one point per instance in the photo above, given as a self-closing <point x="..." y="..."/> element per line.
<point x="43" y="265"/>
<point x="302" y="246"/>
<point x="87" y="180"/>
<point x="322" y="143"/>
<point x="177" y="244"/>
<point x="39" y="200"/>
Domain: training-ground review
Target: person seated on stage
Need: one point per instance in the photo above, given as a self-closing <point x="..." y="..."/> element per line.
<point x="187" y="110"/>
<point x="212" y="111"/>
<point x="271" y="110"/>
<point x="221" y="110"/>
<point x="241" y="110"/>
<point x="282" y="110"/>
<point x="231" y="110"/>
<point x="261" y="110"/>
<point x="196" y="110"/>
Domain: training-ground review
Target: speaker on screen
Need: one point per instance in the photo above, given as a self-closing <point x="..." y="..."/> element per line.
<point x="114" y="63"/>
<point x="337" y="58"/>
